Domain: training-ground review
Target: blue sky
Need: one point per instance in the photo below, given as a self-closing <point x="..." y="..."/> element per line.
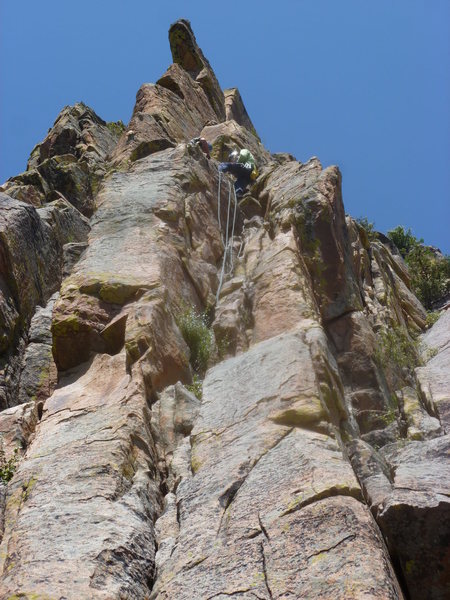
<point x="361" y="84"/>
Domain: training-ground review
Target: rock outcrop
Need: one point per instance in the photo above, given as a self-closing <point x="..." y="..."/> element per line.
<point x="31" y="269"/>
<point x="309" y="462"/>
<point x="70" y="162"/>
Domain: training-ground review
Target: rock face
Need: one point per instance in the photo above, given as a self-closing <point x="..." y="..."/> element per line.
<point x="434" y="376"/>
<point x="70" y="162"/>
<point x="31" y="267"/>
<point x="311" y="460"/>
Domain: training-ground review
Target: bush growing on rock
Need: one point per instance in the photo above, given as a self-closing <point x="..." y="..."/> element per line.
<point x="197" y="335"/>
<point x="116" y="127"/>
<point x="429" y="269"/>
<point x="7" y="467"/>
<point x="396" y="350"/>
<point x="368" y="226"/>
<point x="430" y="275"/>
<point x="432" y="318"/>
<point x="196" y="387"/>
<point x="404" y="240"/>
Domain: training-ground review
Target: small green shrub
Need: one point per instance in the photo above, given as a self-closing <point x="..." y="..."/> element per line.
<point x="368" y="226"/>
<point x="8" y="467"/>
<point x="432" y="317"/>
<point x="196" y="387"/>
<point x="116" y="127"/>
<point x="223" y="344"/>
<point x="430" y="276"/>
<point x="429" y="272"/>
<point x="396" y="348"/>
<point x="429" y="354"/>
<point x="389" y="416"/>
<point x="404" y="240"/>
<point x="197" y="335"/>
<point x="391" y="413"/>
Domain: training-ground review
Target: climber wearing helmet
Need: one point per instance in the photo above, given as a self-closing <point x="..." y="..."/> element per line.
<point x="243" y="166"/>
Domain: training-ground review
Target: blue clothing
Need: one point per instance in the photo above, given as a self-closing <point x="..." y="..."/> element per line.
<point x="242" y="172"/>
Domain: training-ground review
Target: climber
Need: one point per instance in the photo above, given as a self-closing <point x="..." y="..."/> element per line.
<point x="243" y="166"/>
<point x="204" y="145"/>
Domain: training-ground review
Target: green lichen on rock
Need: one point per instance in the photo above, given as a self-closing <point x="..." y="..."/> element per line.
<point x="117" y="292"/>
<point x="65" y="327"/>
<point x="305" y="412"/>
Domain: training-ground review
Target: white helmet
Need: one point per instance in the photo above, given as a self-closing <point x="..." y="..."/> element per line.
<point x="233" y="156"/>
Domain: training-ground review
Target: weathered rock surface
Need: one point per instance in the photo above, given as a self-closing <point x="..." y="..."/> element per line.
<point x="416" y="515"/>
<point x="38" y="377"/>
<point x="185" y="99"/>
<point x="236" y="111"/>
<point x="314" y="466"/>
<point x="157" y="217"/>
<point x="71" y="161"/>
<point x="187" y="54"/>
<point x="434" y="377"/>
<point x="154" y="227"/>
<point x="270" y="532"/>
<point x="86" y="477"/>
<point x="31" y="268"/>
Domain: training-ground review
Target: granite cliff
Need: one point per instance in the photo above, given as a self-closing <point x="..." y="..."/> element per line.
<point x="313" y="462"/>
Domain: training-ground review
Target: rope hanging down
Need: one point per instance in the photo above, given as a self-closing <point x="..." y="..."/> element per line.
<point x="228" y="242"/>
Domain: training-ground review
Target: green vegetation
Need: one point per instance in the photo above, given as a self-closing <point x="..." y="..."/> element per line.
<point x="396" y="348"/>
<point x="223" y="343"/>
<point x="389" y="417"/>
<point x="432" y="317"/>
<point x="194" y="327"/>
<point x="404" y="240"/>
<point x="368" y="226"/>
<point x="430" y="276"/>
<point x="196" y="387"/>
<point x="429" y="354"/>
<point x="392" y="412"/>
<point x="8" y="467"/>
<point x="429" y="272"/>
<point x="116" y="127"/>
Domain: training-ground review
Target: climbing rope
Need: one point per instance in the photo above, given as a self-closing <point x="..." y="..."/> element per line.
<point x="218" y="206"/>
<point x="228" y="242"/>
<point x="232" y="232"/>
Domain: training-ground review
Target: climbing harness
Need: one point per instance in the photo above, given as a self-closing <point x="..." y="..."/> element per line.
<point x="228" y="241"/>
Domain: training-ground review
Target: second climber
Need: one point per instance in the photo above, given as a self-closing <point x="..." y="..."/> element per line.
<point x="243" y="166"/>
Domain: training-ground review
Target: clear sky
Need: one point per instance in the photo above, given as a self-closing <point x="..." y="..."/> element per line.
<point x="361" y="84"/>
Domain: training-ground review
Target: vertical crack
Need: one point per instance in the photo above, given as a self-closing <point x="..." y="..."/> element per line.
<point x="266" y="581"/>
<point x="263" y="529"/>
